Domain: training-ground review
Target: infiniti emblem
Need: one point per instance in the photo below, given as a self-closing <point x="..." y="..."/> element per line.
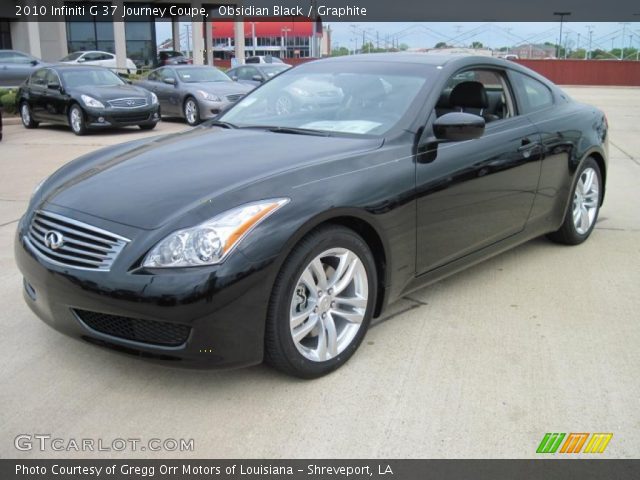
<point x="54" y="240"/>
<point x="131" y="102"/>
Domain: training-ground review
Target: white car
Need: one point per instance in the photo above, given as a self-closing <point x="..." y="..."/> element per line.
<point x="103" y="59"/>
<point x="265" y="59"/>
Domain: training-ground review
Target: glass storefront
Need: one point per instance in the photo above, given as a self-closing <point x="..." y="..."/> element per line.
<point x="91" y="34"/>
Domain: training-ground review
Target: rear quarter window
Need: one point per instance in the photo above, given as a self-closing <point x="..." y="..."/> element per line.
<point x="533" y="94"/>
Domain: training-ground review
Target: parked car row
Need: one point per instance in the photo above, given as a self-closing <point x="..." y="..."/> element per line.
<point x="87" y="97"/>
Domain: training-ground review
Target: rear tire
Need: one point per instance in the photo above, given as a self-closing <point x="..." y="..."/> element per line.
<point x="582" y="214"/>
<point x="77" y="120"/>
<point x="27" y="116"/>
<point x="321" y="304"/>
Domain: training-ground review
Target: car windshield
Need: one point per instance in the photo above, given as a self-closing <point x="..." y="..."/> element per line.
<point x="90" y="76"/>
<point x="359" y="98"/>
<point x="206" y="74"/>
<point x="273" y="70"/>
<point x="72" y="56"/>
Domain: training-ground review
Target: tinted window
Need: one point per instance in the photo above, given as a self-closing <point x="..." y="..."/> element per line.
<point x="205" y="74"/>
<point x="536" y="95"/>
<point x="38" y="78"/>
<point x="14" y="57"/>
<point x="246" y="73"/>
<point x="154" y="76"/>
<point x="90" y="76"/>
<point x="164" y="73"/>
<point x="71" y="57"/>
<point x="52" y="77"/>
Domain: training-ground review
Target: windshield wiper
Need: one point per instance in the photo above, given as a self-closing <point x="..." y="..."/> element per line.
<point x="292" y="130"/>
<point x="220" y="123"/>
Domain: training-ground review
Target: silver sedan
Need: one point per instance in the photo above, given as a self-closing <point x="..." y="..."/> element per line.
<point x="193" y="92"/>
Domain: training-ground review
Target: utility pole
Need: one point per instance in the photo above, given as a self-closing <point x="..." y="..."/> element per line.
<point x="561" y="15"/>
<point x="587" y="54"/>
<point x="624" y="31"/>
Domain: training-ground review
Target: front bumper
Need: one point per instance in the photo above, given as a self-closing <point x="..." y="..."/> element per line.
<point x="210" y="109"/>
<point x="116" y="117"/>
<point x="223" y="307"/>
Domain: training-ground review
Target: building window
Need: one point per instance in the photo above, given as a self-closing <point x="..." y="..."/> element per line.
<point x="89" y="33"/>
<point x="5" y="35"/>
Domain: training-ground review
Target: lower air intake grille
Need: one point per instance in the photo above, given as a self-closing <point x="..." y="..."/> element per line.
<point x="138" y="330"/>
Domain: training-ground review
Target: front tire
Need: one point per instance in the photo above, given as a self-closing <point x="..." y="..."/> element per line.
<point x="191" y="111"/>
<point x="147" y="126"/>
<point x="582" y="215"/>
<point x="27" y="116"/>
<point x="77" y="120"/>
<point x="321" y="304"/>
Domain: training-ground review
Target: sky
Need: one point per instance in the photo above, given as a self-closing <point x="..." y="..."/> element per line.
<point x="494" y="35"/>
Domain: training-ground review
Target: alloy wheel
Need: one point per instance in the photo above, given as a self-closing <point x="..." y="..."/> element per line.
<point x="25" y="114"/>
<point x="329" y="304"/>
<point x="191" y="111"/>
<point x="76" y="119"/>
<point x="585" y="200"/>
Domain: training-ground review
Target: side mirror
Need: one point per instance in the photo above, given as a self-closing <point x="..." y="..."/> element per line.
<point x="169" y="81"/>
<point x="81" y="59"/>
<point x="458" y="127"/>
<point x="34" y="62"/>
<point x="53" y="86"/>
<point x="257" y="78"/>
<point x="234" y="78"/>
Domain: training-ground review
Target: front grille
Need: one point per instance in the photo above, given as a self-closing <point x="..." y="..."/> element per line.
<point x="128" y="102"/>
<point x="136" y="329"/>
<point x="67" y="242"/>
<point x="137" y="117"/>
<point x="235" y="98"/>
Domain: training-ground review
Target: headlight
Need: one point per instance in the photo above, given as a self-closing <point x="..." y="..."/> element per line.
<point x="210" y="242"/>
<point x="91" y="102"/>
<point x="154" y="98"/>
<point x="209" y="96"/>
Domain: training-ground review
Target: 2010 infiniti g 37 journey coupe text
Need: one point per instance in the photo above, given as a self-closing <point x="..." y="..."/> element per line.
<point x="279" y="233"/>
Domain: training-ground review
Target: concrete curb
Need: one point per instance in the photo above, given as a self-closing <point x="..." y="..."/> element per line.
<point x="11" y="120"/>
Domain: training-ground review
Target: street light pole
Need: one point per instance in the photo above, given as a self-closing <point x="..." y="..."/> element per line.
<point x="561" y="15"/>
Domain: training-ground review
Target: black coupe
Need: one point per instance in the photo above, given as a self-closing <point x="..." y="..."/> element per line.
<point x="84" y="98"/>
<point x="280" y="235"/>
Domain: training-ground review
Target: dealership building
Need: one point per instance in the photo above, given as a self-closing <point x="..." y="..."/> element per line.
<point x="288" y="37"/>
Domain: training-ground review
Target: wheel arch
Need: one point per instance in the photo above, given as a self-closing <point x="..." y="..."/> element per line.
<point x="357" y="222"/>
<point x="602" y="165"/>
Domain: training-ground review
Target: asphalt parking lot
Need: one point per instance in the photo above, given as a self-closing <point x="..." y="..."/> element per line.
<point x="541" y="339"/>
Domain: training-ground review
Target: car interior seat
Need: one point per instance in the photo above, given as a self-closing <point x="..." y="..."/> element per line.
<point x="471" y="97"/>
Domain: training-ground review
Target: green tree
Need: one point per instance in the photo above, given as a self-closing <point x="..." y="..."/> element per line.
<point x="477" y="45"/>
<point x="403" y="47"/>
<point x="441" y="45"/>
<point x="338" y="52"/>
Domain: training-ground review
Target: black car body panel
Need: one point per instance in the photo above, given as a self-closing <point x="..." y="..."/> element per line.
<point x="424" y="213"/>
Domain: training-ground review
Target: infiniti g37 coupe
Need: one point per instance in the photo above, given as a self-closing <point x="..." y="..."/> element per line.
<point x="85" y="98"/>
<point x="266" y="234"/>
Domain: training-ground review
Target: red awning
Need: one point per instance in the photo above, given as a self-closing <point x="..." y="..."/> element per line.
<point x="298" y="27"/>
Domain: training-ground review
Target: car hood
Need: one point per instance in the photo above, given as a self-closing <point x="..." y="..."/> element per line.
<point x="219" y="88"/>
<point x="111" y="92"/>
<point x="149" y="184"/>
